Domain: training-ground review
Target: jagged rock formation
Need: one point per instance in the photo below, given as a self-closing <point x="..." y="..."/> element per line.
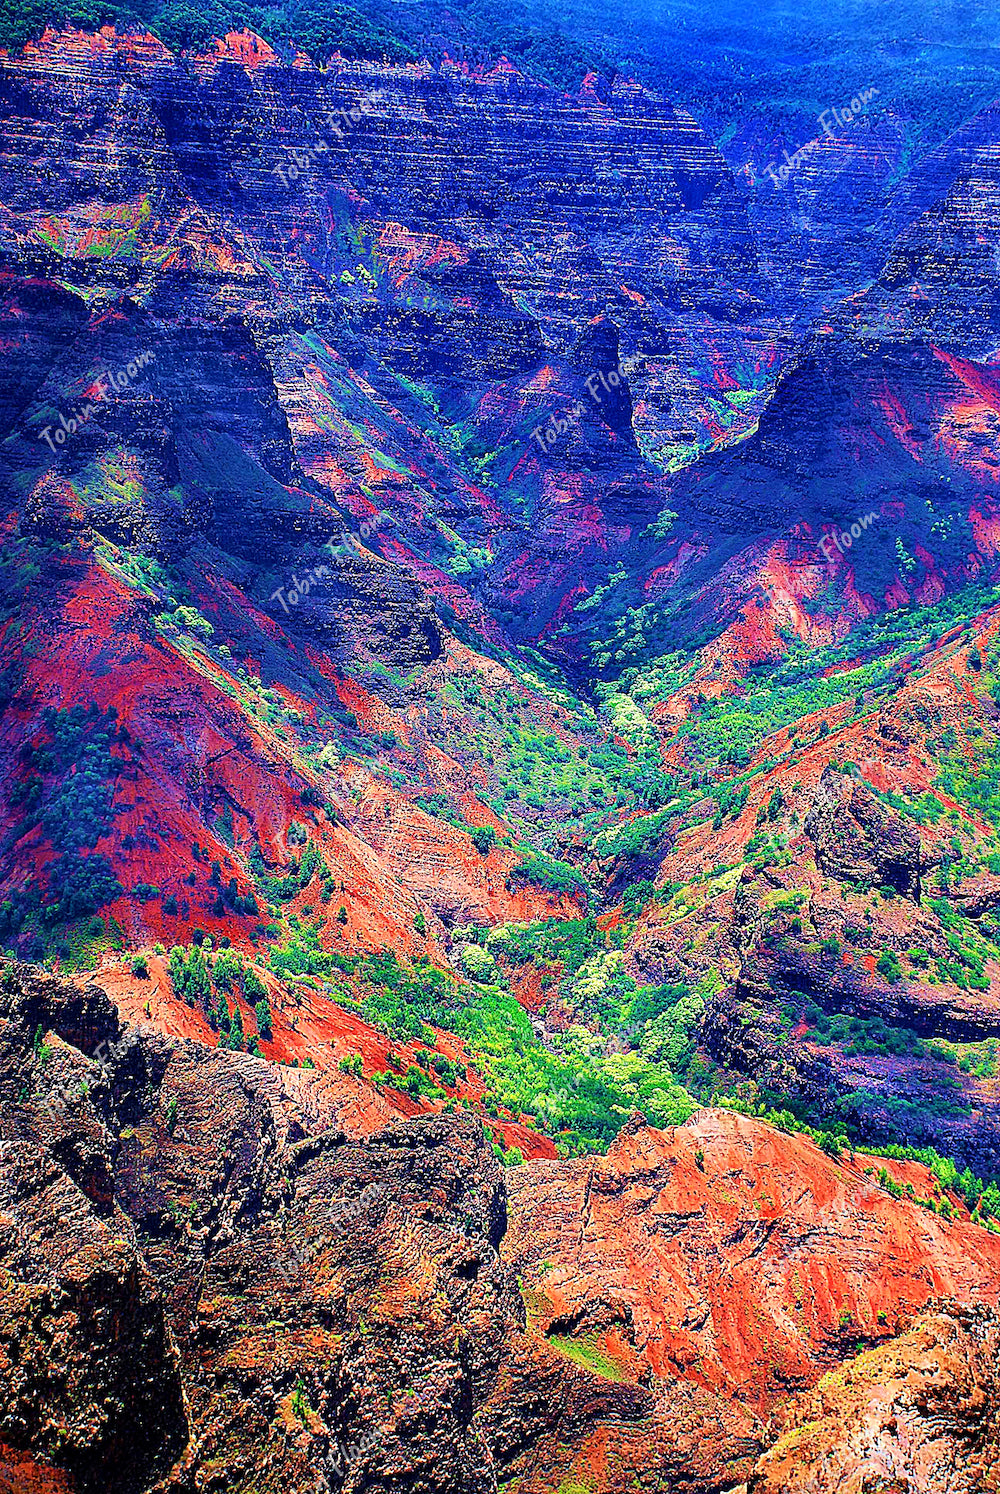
<point x="435" y="235"/>
<point x="860" y="840"/>
<point x="218" y="1264"/>
<point x="331" y="1304"/>
<point x="90" y="1372"/>
<point x="920" y="1414"/>
<point x="727" y="1253"/>
<point x="219" y="1268"/>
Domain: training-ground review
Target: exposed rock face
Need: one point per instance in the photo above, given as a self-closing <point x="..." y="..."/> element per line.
<point x="218" y="1266"/>
<point x="741" y="1259"/>
<point x="326" y="1302"/>
<point x="473" y="232"/>
<point x="90" y="1374"/>
<point x="920" y="1414"/>
<point x="860" y="839"/>
<point x="20" y="1473"/>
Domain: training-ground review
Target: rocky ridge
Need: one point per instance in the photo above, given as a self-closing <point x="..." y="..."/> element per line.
<point x="290" y="1290"/>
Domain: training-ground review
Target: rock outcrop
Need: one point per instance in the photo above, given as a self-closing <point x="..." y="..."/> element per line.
<point x="90" y="1372"/>
<point x="859" y="839"/>
<point x="217" y="1268"/>
<point x="920" y="1414"/>
<point x="199" y="1219"/>
<point x="723" y="1251"/>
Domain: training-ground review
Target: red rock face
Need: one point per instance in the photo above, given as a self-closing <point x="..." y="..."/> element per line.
<point x="730" y="1255"/>
<point x="275" y="1264"/>
<point x="20" y="1473"/>
<point x="210" y="754"/>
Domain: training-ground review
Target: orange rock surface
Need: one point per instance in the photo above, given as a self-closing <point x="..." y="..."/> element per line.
<point x="730" y="1254"/>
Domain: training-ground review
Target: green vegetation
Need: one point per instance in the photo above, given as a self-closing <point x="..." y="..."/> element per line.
<point x="558" y="1092"/>
<point x="858" y="1034"/>
<point x="67" y="792"/>
<point x="635" y="836"/>
<point x="730" y="729"/>
<point x="302" y="954"/>
<point x="545" y="871"/>
<point x="318" y="31"/>
<point x="400" y="1001"/>
<point x="207" y="981"/>
<point x="570" y="941"/>
<point x="584" y="1352"/>
<point x="189" y="976"/>
<point x="889" y="966"/>
<point x="570" y="1085"/>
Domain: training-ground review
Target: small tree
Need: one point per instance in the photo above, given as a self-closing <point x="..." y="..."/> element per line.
<point x="253" y="987"/>
<point x="831" y="1144"/>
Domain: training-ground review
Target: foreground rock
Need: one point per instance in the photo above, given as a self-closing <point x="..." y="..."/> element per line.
<point x="221" y="1274"/>
<point x="919" y="1414"/>
<point x="731" y="1254"/>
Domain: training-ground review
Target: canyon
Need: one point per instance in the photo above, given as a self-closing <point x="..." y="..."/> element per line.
<point x="500" y="832"/>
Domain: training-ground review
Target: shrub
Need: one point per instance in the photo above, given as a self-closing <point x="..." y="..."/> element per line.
<point x="81" y="884"/>
<point x="636" y="896"/>
<point x="477" y="963"/>
<point x="546" y="872"/>
<point x="888" y="966"/>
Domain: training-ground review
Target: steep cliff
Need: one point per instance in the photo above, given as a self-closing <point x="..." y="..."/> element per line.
<point x="224" y="1270"/>
<point x="503" y="701"/>
<point x="730" y="1255"/>
<point x="385" y="280"/>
